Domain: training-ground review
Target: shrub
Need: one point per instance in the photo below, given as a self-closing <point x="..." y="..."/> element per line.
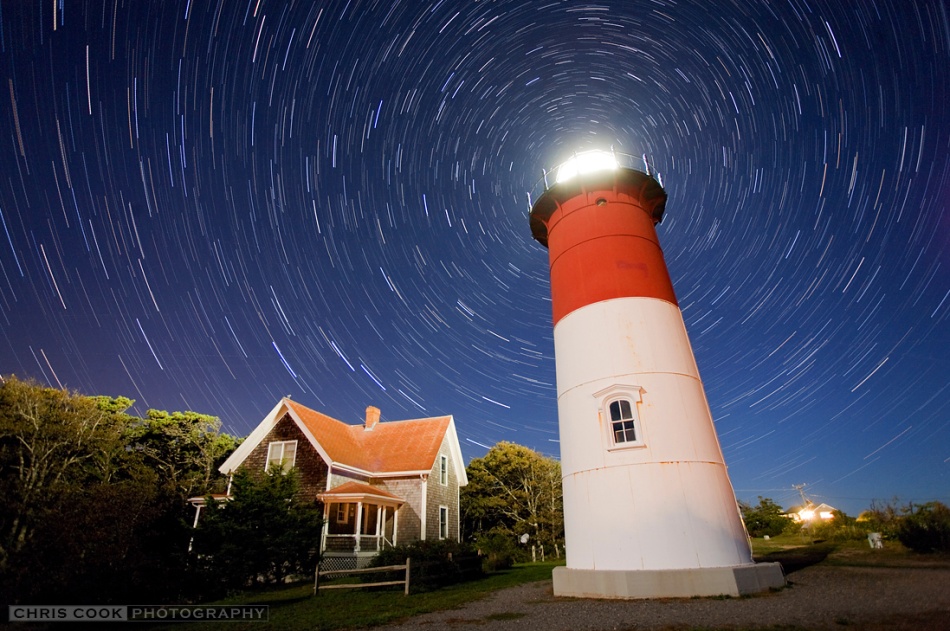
<point x="926" y="529"/>
<point x="263" y="535"/>
<point x="498" y="551"/>
<point x="767" y="518"/>
<point x="882" y="517"/>
<point x="841" y="527"/>
<point x="434" y="563"/>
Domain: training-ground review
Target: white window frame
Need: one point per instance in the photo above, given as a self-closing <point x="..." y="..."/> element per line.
<point x="444" y="470"/>
<point x="612" y="394"/>
<point x="282" y="445"/>
<point x="443" y="522"/>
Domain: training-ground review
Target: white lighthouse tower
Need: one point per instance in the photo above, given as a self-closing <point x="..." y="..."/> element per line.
<point x="649" y="510"/>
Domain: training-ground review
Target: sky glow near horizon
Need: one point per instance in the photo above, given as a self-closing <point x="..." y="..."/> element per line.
<point x="211" y="205"/>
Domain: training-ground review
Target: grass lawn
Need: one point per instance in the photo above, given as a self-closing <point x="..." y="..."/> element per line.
<point x="294" y="607"/>
<point x="795" y="552"/>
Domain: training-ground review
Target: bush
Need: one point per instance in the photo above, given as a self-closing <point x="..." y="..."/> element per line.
<point x="882" y="517"/>
<point x="841" y="527"/>
<point x="767" y="518"/>
<point x="926" y="529"/>
<point x="265" y="534"/>
<point x="498" y="551"/>
<point x="434" y="563"/>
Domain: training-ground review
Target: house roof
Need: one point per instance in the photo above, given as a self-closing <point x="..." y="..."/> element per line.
<point x="816" y="508"/>
<point x="395" y="447"/>
<point x="357" y="490"/>
<point x="811" y="512"/>
<point x="388" y="447"/>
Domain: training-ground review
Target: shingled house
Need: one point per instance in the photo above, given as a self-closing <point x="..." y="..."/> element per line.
<point x="381" y="484"/>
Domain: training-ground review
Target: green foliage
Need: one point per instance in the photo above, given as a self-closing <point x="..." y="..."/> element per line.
<point x="882" y="517"/>
<point x="111" y="542"/>
<point x="88" y="516"/>
<point x="499" y="550"/>
<point x="434" y="563"/>
<point x="926" y="528"/>
<point x="766" y="518"/>
<point x="262" y="535"/>
<point x="840" y="527"/>
<point x="185" y="448"/>
<point x="51" y="443"/>
<point x="513" y="490"/>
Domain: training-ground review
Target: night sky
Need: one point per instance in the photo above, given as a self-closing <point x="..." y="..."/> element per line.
<point x="211" y="205"/>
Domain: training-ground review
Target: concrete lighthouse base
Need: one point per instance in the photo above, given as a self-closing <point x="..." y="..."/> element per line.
<point x="686" y="583"/>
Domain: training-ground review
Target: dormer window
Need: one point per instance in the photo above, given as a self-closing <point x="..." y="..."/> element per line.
<point x="281" y="454"/>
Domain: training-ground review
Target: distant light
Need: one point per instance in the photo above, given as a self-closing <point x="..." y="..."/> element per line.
<point x="586" y="162"/>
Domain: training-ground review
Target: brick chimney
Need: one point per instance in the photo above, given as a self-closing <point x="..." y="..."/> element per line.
<point x="372" y="417"/>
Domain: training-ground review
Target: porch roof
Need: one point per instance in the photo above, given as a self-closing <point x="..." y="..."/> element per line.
<point x="202" y="500"/>
<point x="359" y="492"/>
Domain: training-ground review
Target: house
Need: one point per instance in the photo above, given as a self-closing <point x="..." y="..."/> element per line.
<point x="812" y="514"/>
<point x="380" y="484"/>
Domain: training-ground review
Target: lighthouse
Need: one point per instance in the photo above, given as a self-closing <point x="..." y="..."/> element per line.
<point x="649" y="511"/>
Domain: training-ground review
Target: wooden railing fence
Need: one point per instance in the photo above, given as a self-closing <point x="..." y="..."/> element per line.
<point x="318" y="574"/>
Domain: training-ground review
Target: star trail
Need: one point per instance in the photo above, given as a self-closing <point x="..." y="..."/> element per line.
<point x="211" y="205"/>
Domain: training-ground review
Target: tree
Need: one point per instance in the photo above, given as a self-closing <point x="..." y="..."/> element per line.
<point x="883" y="517"/>
<point x="265" y="533"/>
<point x="767" y="518"/>
<point x="94" y="498"/>
<point x="185" y="448"/>
<point x="926" y="528"/>
<point x="51" y="442"/>
<point x="513" y="490"/>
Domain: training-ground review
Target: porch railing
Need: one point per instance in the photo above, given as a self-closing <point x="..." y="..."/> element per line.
<point x="348" y="543"/>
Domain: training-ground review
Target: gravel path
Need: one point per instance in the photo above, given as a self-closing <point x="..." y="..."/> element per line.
<point x="817" y="597"/>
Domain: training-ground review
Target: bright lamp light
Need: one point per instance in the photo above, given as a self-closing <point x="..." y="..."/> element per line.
<point x="586" y="162"/>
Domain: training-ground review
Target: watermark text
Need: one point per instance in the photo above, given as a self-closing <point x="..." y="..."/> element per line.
<point x="135" y="613"/>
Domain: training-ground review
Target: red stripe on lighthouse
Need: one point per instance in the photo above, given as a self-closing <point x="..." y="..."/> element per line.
<point x="602" y="245"/>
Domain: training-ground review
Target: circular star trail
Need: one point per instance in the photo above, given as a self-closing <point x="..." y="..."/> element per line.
<point x="210" y="205"/>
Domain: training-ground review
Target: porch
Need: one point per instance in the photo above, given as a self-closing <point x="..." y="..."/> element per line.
<point x="358" y="522"/>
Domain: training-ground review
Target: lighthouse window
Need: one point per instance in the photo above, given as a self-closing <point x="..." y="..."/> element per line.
<point x="622" y="421"/>
<point x="618" y="417"/>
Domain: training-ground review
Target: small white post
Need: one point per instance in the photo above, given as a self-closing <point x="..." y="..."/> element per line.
<point x="380" y="515"/>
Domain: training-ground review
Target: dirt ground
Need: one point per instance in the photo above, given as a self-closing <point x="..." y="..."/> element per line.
<point x="901" y="594"/>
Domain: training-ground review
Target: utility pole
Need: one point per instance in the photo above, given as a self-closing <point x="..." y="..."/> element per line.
<point x="801" y="491"/>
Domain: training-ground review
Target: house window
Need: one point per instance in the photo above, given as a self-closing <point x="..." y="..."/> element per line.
<point x="443" y="470"/>
<point x="341" y="510"/>
<point x="281" y="454"/>
<point x="622" y="421"/>
<point x="443" y="522"/>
